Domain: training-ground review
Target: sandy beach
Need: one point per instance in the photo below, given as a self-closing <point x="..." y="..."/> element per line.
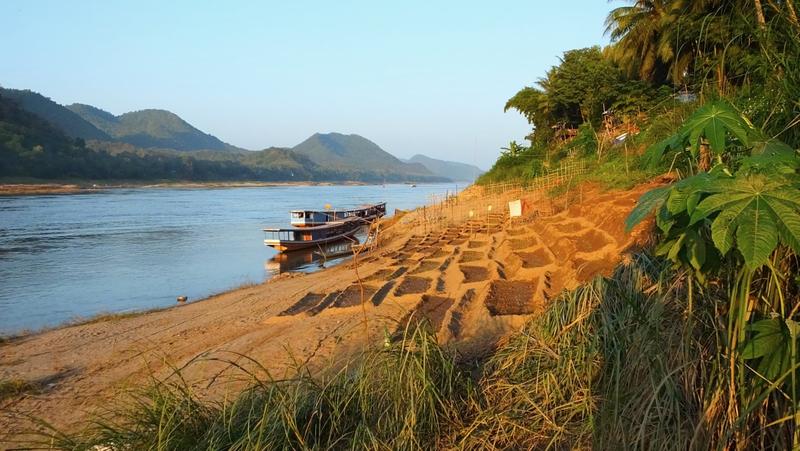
<point x="475" y="281"/>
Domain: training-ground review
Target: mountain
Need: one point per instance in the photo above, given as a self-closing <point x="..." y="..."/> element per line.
<point x="150" y="128"/>
<point x="41" y="139"/>
<point x="59" y="116"/>
<point x="451" y="169"/>
<point x="31" y="147"/>
<point x="358" y="155"/>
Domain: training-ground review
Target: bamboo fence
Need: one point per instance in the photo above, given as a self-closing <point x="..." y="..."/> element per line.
<point x="488" y="205"/>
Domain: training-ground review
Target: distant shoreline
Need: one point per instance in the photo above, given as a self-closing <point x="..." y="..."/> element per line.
<point x="34" y="189"/>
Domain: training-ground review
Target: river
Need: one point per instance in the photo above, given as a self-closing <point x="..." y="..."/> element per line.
<point x="64" y="257"/>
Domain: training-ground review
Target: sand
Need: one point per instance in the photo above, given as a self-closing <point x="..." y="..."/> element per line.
<point x="474" y="282"/>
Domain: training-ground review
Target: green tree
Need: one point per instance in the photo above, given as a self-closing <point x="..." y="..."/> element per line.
<point x="643" y="44"/>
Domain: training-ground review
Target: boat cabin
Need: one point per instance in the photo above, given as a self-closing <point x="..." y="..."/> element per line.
<point x="310" y="218"/>
<point x="306" y="218"/>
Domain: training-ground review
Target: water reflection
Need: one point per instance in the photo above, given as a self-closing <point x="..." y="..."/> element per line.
<point x="311" y="259"/>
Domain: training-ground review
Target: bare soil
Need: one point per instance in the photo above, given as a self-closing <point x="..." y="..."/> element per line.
<point x="511" y="297"/>
<point x="413" y="285"/>
<point x="354" y="295"/>
<point x="474" y="273"/>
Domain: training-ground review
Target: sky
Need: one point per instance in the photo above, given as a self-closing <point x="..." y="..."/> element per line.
<point x="414" y="76"/>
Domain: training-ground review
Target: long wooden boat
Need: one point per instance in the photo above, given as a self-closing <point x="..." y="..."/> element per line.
<point x="294" y="238"/>
<point x="311" y="218"/>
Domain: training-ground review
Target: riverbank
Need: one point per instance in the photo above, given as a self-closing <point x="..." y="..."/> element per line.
<point x="32" y="189"/>
<point x="475" y="281"/>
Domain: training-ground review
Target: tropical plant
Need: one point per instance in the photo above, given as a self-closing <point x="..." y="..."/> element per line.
<point x="643" y="45"/>
<point x="745" y="213"/>
<point x="513" y="150"/>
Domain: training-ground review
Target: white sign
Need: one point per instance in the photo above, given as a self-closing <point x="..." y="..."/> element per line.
<point x="515" y="208"/>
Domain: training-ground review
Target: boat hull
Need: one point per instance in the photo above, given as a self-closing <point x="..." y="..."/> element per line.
<point x="293" y="245"/>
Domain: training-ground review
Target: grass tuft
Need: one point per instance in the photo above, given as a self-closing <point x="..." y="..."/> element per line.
<point x="10" y="388"/>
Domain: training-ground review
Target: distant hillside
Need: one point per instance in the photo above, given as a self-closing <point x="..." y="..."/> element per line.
<point x="31" y="147"/>
<point x="357" y="154"/>
<point x="59" y="116"/>
<point x="150" y="129"/>
<point x="450" y="169"/>
<point x="41" y="139"/>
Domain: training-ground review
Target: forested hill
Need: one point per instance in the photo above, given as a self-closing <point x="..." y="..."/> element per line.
<point x="57" y="115"/>
<point x="32" y="146"/>
<point x="356" y="153"/>
<point x="151" y="128"/>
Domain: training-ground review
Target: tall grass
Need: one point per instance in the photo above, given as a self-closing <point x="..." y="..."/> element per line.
<point x="619" y="363"/>
<point x="404" y="396"/>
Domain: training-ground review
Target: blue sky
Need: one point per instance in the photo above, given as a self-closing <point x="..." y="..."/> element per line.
<point x="415" y="77"/>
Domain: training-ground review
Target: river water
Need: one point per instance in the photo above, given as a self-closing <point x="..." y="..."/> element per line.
<point x="64" y="257"/>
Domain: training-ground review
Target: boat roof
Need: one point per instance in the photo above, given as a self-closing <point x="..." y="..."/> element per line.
<point x="327" y="225"/>
<point x="360" y="207"/>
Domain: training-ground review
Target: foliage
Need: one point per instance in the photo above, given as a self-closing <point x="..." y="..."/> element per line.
<point x="757" y="205"/>
<point x="748" y="202"/>
<point x="585" y="142"/>
<point x="716" y="125"/>
<point x="703" y="44"/>
<point x="760" y="211"/>
<point x="519" y="163"/>
<point x="578" y="90"/>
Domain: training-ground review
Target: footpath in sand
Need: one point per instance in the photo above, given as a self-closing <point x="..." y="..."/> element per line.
<point x="474" y="281"/>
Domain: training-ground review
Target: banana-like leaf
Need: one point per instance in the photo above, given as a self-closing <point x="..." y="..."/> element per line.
<point x="758" y="211"/>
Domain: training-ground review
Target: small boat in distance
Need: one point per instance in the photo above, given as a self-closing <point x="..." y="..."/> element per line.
<point x="310" y="218"/>
<point x="314" y="228"/>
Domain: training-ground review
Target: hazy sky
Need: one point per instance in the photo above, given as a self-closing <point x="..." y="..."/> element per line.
<point x="415" y="77"/>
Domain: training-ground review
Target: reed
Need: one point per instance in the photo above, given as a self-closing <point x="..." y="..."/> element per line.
<point x="618" y="363"/>
<point x="404" y="395"/>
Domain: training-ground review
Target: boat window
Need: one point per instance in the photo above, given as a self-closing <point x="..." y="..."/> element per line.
<point x="298" y="214"/>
